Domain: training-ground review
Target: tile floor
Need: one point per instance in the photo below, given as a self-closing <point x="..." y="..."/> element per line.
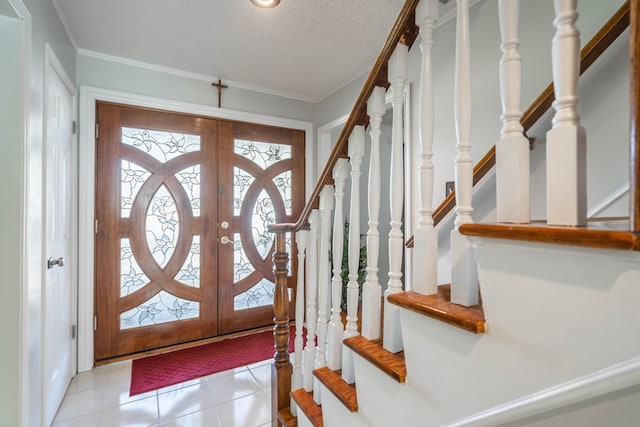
<point x="236" y="398"/>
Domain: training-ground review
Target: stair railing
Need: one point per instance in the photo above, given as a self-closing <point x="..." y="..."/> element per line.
<point x="403" y="31"/>
<point x="322" y="311"/>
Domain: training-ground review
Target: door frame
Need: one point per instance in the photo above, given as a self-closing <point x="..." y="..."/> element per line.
<point x="29" y="391"/>
<point x="86" y="176"/>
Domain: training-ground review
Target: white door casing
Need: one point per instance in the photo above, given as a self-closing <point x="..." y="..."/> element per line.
<point x="59" y="291"/>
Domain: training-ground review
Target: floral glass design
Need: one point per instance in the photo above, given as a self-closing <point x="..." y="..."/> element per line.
<point x="263" y="154"/>
<point x="162" y="146"/>
<point x="283" y="183"/>
<point x="259" y="295"/>
<point x="161" y="226"/>
<point x="189" y="178"/>
<point x="242" y="267"/>
<point x="161" y="308"/>
<point x="132" y="177"/>
<point x="189" y="274"/>
<point x="132" y="277"/>
<point x="263" y="214"/>
<point x="264" y="198"/>
<point x="242" y="181"/>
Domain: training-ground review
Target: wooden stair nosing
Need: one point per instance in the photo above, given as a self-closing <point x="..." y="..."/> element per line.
<point x="393" y="364"/>
<point x="345" y="392"/>
<point x="589" y="236"/>
<point x="286" y="418"/>
<point x="440" y="307"/>
<point x="306" y="404"/>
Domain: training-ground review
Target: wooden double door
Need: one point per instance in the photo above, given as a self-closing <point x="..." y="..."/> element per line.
<point x="182" y="208"/>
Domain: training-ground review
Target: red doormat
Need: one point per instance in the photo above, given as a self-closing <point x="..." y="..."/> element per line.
<point x="162" y="370"/>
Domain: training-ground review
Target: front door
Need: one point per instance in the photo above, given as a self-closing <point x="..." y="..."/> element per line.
<point x="182" y="204"/>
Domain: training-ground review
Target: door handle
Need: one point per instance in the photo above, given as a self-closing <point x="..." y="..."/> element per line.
<point x="225" y="239"/>
<point x="53" y="262"/>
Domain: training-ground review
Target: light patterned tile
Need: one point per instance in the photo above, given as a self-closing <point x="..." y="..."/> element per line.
<point x="262" y="374"/>
<point x="80" y="403"/>
<point x="261" y="363"/>
<point x="120" y="373"/>
<point x="183" y="401"/>
<point x="118" y="394"/>
<point x="95" y="378"/>
<point x="195" y="381"/>
<point x="140" y="413"/>
<point x="229" y="387"/>
<point x="248" y="411"/>
<point x="206" y="418"/>
<point x="88" y="420"/>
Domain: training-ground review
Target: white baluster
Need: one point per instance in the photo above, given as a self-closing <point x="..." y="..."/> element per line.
<point x="324" y="282"/>
<point x="464" y="276"/>
<point x="567" y="140"/>
<point x="425" y="237"/>
<point x="312" y="298"/>
<point x="392" y="340"/>
<point x="356" y="152"/>
<point x="301" y="238"/>
<point x="371" y="290"/>
<point x="335" y="328"/>
<point x="512" y="150"/>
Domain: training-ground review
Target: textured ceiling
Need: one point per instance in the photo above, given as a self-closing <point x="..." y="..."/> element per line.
<point x="304" y="49"/>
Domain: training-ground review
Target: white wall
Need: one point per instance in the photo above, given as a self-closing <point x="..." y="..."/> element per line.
<point x="23" y="164"/>
<point x="111" y="73"/>
<point x="11" y="193"/>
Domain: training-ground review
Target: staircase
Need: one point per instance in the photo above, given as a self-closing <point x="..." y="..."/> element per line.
<point x="539" y="324"/>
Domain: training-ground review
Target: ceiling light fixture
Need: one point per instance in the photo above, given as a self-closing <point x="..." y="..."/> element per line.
<point x="266" y="3"/>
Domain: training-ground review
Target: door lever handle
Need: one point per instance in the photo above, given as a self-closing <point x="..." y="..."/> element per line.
<point x="225" y="239"/>
<point x="53" y="262"/>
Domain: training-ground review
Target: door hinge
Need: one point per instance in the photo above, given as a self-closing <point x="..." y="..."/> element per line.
<point x="73" y="332"/>
<point x="74" y="127"/>
<point x="97" y="131"/>
<point x="95" y="227"/>
<point x="95" y="323"/>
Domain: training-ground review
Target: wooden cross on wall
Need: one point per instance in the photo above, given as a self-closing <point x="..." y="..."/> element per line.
<point x="219" y="86"/>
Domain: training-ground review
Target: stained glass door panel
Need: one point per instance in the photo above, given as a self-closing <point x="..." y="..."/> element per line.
<point x="156" y="237"/>
<point x="263" y="183"/>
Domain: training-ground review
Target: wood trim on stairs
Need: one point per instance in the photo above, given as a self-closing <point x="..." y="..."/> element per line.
<point x="392" y="364"/>
<point x="440" y="307"/>
<point x="286" y="418"/>
<point x="592" y="236"/>
<point x="332" y="380"/>
<point x="306" y="404"/>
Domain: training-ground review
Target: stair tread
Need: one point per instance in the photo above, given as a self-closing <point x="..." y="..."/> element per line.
<point x="344" y="391"/>
<point x="439" y="306"/>
<point x="597" y="234"/>
<point x="286" y="418"/>
<point x="305" y="402"/>
<point x="393" y="364"/>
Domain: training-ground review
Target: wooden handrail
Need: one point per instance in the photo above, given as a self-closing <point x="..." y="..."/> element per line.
<point x="403" y="31"/>
<point x="589" y="54"/>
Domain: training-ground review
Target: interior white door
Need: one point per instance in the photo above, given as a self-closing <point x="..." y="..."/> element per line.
<point x="59" y="344"/>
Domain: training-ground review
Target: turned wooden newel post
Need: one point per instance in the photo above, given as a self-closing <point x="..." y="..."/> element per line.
<point x="281" y="369"/>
